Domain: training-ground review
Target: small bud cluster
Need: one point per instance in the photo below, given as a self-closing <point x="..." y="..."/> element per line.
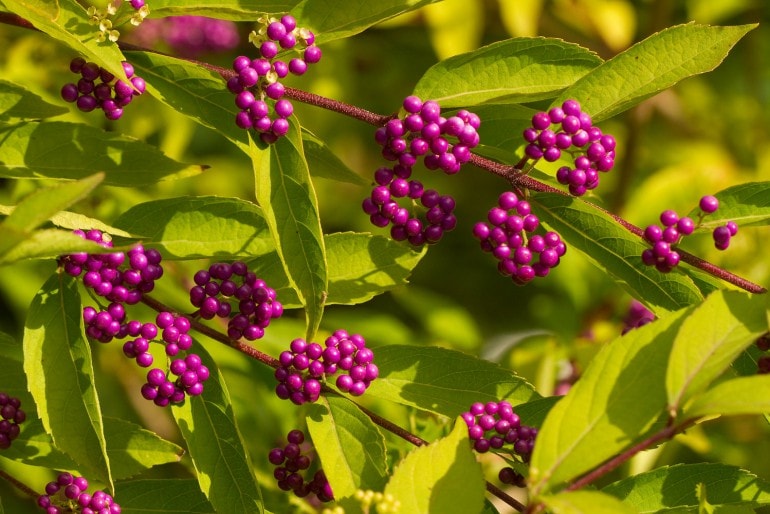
<point x="638" y="315"/>
<point x="188" y="36"/>
<point x="561" y="128"/>
<point x="495" y="424"/>
<point x="443" y="143"/>
<point x="110" y="94"/>
<point x="663" y="239"/>
<point x="304" y="365"/>
<point x="508" y="236"/>
<point x="383" y="503"/>
<point x="763" y="363"/>
<point x="12" y="416"/>
<point x="109" y="275"/>
<point x="114" y="15"/>
<point x="68" y="494"/>
<point x="259" y="79"/>
<point x="257" y="303"/>
<point x="290" y="463"/>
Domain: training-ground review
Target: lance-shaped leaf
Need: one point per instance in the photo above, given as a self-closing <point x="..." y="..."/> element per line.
<point x="441" y="477"/>
<point x="324" y="162"/>
<point x="335" y="19"/>
<point x="238" y="10"/>
<point x="746" y="204"/>
<point x="203" y="226"/>
<point x="516" y="70"/>
<point x="585" y="502"/>
<point x="221" y="461"/>
<point x="66" y="21"/>
<point x="674" y="487"/>
<point x="612" y="248"/>
<point x="155" y="496"/>
<point x="629" y="371"/>
<point x="443" y="381"/>
<point x="44" y="243"/>
<point x="719" y="329"/>
<point x="351" y="447"/>
<point x="132" y="449"/>
<point x="17" y="103"/>
<point x="288" y="200"/>
<point x="72" y="151"/>
<point x="744" y="395"/>
<point x="192" y="90"/>
<point x="60" y="375"/>
<point x="652" y="65"/>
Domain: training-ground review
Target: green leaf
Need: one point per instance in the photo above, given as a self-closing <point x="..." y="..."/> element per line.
<point x="443" y="381"/>
<point x="237" y="10"/>
<point x="57" y="362"/>
<point x="615" y="250"/>
<point x="746" y="204"/>
<point x="533" y="413"/>
<point x="585" y="502"/>
<point x="517" y="70"/>
<point x="362" y="266"/>
<point x="222" y="464"/>
<point x="502" y="126"/>
<point x="324" y="163"/>
<point x="191" y="89"/>
<point x="17" y="103"/>
<point x="45" y="243"/>
<point x="288" y="199"/>
<point x="719" y="329"/>
<point x="42" y="204"/>
<point x="72" y="151"/>
<point x="200" y="226"/>
<point x="153" y="496"/>
<point x="336" y="19"/>
<point x="66" y="21"/>
<point x="671" y="487"/>
<point x="630" y="370"/>
<point x="652" y="65"/>
<point x="351" y="447"/>
<point x="441" y="477"/>
<point x="132" y="449"/>
<point x="744" y="395"/>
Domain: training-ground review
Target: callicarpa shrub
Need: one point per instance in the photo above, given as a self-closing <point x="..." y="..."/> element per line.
<point x="260" y="289"/>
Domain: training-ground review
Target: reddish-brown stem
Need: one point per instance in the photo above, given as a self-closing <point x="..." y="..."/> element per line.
<point x="18" y="485"/>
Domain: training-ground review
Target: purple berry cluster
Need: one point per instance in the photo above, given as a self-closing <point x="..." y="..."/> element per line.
<point x="68" y="494"/>
<point x="109" y="94"/>
<point x="186" y="378"/>
<point x="663" y="239"/>
<point x="559" y="130"/>
<point x="508" y="475"/>
<point x="495" y="424"/>
<point x="257" y="303"/>
<point x="638" y="315"/>
<point x="111" y="275"/>
<point x="508" y="236"/>
<point x="443" y="143"/>
<point x="290" y="462"/>
<point x="11" y="416"/>
<point x="763" y="363"/>
<point x="305" y="365"/>
<point x="259" y="79"/>
<point x="188" y="36"/>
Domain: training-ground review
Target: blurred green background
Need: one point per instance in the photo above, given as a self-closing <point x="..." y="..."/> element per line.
<point x="705" y="134"/>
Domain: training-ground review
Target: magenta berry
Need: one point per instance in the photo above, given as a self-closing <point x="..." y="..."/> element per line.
<point x="562" y="128"/>
<point x="509" y="236"/>
<point x="291" y="466"/>
<point x="11" y="416"/>
<point x="493" y="425"/>
<point x="62" y="494"/>
<point x="109" y="94"/>
<point x="261" y="77"/>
